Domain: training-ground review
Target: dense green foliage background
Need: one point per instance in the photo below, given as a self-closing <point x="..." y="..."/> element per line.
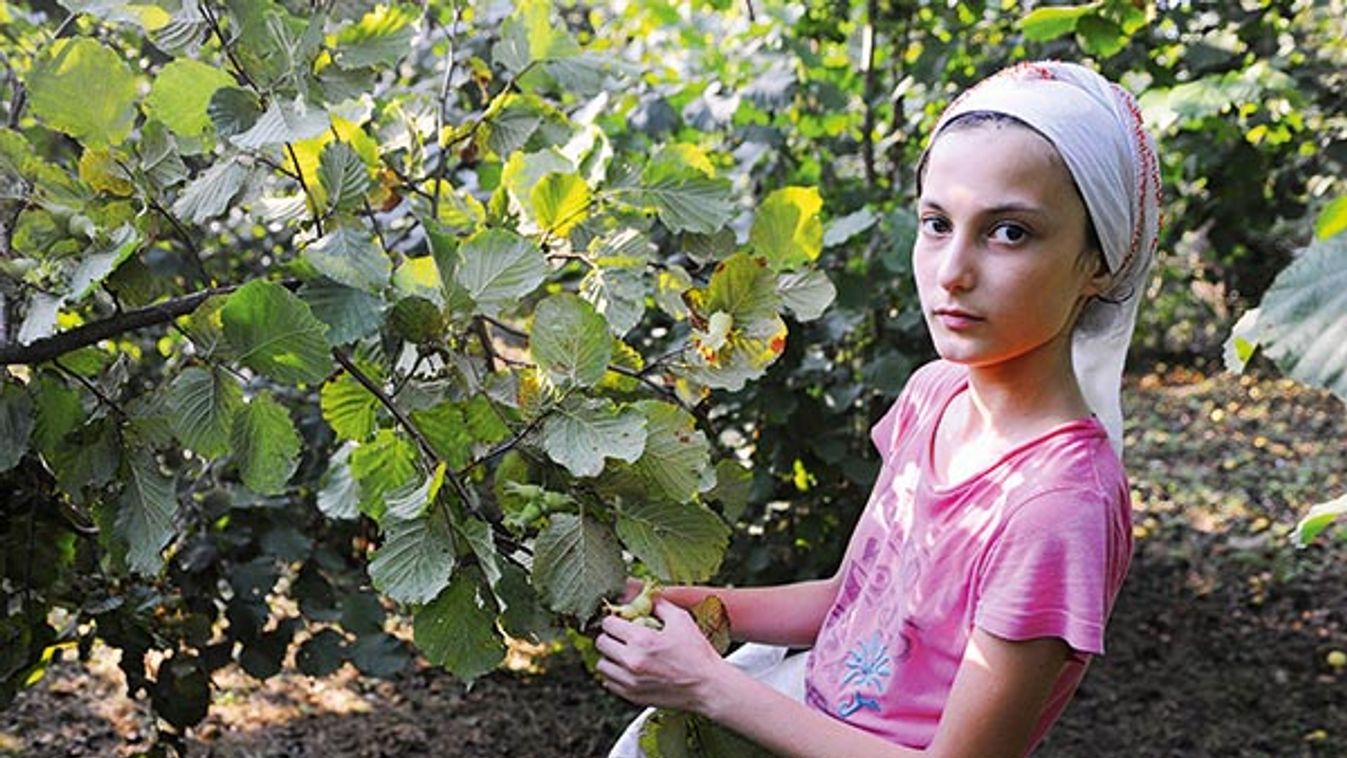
<point x="309" y="307"/>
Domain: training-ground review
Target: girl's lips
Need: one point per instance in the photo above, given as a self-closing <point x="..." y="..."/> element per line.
<point x="956" y="320"/>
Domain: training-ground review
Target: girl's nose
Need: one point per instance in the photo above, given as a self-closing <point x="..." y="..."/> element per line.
<point x="956" y="272"/>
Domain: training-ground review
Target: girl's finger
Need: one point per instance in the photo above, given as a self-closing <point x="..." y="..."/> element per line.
<point x="610" y="647"/>
<point x="667" y="611"/>
<point x="622" y="629"/>
<point x="615" y="674"/>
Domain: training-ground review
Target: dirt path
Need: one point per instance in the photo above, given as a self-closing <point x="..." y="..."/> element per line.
<point x="1218" y="645"/>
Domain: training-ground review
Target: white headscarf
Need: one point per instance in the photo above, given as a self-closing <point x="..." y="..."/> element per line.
<point x="1096" y="126"/>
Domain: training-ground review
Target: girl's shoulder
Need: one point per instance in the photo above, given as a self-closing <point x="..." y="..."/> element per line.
<point x="922" y="395"/>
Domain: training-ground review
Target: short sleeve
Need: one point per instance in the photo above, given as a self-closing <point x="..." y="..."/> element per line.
<point x="902" y="415"/>
<point x="1053" y="570"/>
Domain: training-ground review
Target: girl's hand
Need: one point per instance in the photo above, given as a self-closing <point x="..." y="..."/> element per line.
<point x="671" y="668"/>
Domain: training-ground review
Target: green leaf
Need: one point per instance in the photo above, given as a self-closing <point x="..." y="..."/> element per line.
<point x="734" y="485"/>
<point x="1302" y="322"/>
<point x="417" y="320"/>
<point x="498" y="267"/>
<point x="618" y="293"/>
<point x="348" y="407"/>
<point x="680" y="542"/>
<point x="275" y="333"/>
<point x="1243" y="341"/>
<point x="266" y="446"/>
<point x="570" y="341"/>
<point x="204" y="403"/>
<point x="322" y="654"/>
<point x="383" y="465"/>
<point x="101" y="260"/>
<point x="344" y="176"/>
<point x="210" y="194"/>
<point x="233" y="111"/>
<point x="685" y="199"/>
<point x="458" y="631"/>
<point x="411" y="501"/>
<point x="745" y="288"/>
<point x="1100" y="36"/>
<point x="380" y="655"/>
<point x="145" y="513"/>
<point x="523" y="171"/>
<point x="1043" y="24"/>
<point x="1332" y="219"/>
<point x="530" y="35"/>
<point x="580" y="435"/>
<point x="58" y="411"/>
<point x="839" y="230"/>
<point x="1318" y="519"/>
<point x="181" y="93"/>
<point x="787" y="230"/>
<point x="512" y="127"/>
<point x="559" y="202"/>
<point x="159" y="156"/>
<point x="284" y="122"/>
<point x="676" y="453"/>
<point x="577" y="561"/>
<point x="381" y="37"/>
<point x="338" y="491"/>
<point x="347" y="255"/>
<point x="415" y="561"/>
<point x="85" y="89"/>
<point x="446" y="427"/>
<point x="349" y="313"/>
<point x="16" y="424"/>
<point x="485" y="421"/>
<point x="806" y="293"/>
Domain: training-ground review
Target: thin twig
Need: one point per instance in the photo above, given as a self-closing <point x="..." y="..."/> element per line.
<point x="484" y="337"/>
<point x="443" y="113"/>
<point x="213" y="22"/>
<point x="504" y="327"/>
<point x="102" y="398"/>
<point x="304" y="186"/>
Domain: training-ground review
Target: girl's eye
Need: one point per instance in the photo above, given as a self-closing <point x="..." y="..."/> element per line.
<point x="1010" y="234"/>
<point x="934" y="225"/>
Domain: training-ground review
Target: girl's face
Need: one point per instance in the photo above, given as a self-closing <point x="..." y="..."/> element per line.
<point x="999" y="257"/>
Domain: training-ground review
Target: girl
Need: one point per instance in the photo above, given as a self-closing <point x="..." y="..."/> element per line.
<point x="977" y="583"/>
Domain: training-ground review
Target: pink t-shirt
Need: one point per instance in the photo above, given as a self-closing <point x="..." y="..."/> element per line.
<point x="1035" y="545"/>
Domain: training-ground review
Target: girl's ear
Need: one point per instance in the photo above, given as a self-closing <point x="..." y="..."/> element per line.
<point x="1099" y="282"/>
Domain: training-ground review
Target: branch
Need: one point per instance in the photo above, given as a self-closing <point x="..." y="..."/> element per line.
<point x="48" y="348"/>
<point x="426" y="448"/>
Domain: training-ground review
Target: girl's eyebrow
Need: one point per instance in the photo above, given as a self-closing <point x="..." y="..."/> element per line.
<point x="995" y="209"/>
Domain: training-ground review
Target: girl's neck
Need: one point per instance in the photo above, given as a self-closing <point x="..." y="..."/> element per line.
<point x="1005" y="405"/>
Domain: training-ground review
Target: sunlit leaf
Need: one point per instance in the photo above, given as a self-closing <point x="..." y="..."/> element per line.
<point x="348" y="255"/>
<point x="498" y="267"/>
<point x="570" y="341"/>
<point x="1302" y="321"/>
<point x="203" y="403"/>
<point x="1318" y="519"/>
<point x="1047" y="23"/>
<point x="276" y="333"/>
<point x="348" y="407"/>
<point x="680" y="542"/>
<point x="181" y="93"/>
<point x="559" y="202"/>
<point x="382" y="36"/>
<point x="385" y="464"/>
<point x="786" y="229"/>
<point x="83" y="88"/>
<point x="266" y="445"/>
<point x="1332" y="219"/>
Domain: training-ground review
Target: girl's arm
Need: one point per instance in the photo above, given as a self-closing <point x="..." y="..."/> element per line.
<point x="787" y="614"/>
<point x="997" y="696"/>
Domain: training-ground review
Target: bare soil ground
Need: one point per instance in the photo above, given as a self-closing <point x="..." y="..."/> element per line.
<point x="1218" y="645"/>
